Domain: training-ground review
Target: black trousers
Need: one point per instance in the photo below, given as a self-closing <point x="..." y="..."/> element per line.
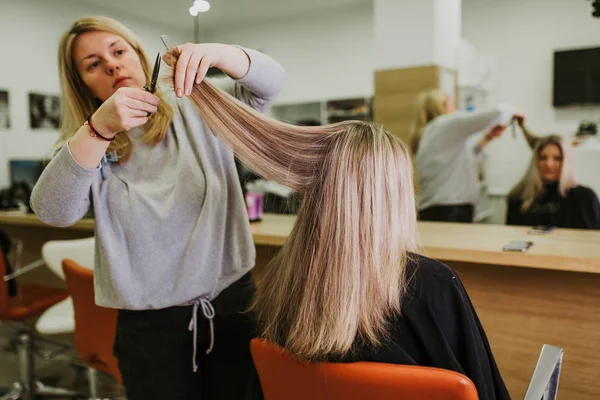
<point x="154" y="349"/>
<point x="458" y="213"/>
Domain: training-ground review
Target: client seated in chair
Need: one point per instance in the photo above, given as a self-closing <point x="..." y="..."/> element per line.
<point x="349" y="284"/>
<point x="548" y="194"/>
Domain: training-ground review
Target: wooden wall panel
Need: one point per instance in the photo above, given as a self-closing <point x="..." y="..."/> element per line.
<point x="396" y="92"/>
<point x="522" y="309"/>
<point x="395" y="95"/>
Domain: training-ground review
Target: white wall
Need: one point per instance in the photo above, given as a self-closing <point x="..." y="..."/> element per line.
<point x="448" y="26"/>
<point x="518" y="38"/>
<point x="392" y="21"/>
<point x="30" y="33"/>
<point x="432" y="25"/>
<point x="326" y="56"/>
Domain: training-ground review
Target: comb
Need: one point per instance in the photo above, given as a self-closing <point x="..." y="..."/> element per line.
<point x="166" y="42"/>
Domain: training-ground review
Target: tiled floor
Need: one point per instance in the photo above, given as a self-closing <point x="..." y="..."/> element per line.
<point x="60" y="371"/>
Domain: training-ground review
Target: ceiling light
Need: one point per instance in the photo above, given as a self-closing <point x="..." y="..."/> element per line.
<point x="199" y="6"/>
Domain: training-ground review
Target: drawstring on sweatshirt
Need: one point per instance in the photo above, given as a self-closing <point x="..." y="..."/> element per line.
<point x="209" y="313"/>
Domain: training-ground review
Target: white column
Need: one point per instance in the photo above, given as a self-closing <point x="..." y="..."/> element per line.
<point x="411" y="33"/>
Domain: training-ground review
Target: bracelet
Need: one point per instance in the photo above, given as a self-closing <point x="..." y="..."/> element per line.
<point x="94" y="132"/>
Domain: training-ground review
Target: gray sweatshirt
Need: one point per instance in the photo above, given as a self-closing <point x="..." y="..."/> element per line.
<point x="446" y="165"/>
<point x="171" y="223"/>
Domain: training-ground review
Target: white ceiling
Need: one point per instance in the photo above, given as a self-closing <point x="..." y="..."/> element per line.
<point x="174" y="13"/>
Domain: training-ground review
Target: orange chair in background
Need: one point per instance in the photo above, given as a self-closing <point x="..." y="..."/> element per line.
<point x="31" y="300"/>
<point x="95" y="326"/>
<point x="283" y="377"/>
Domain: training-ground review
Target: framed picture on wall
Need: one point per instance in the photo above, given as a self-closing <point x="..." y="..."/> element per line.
<point x="4" y="111"/>
<point x="44" y="111"/>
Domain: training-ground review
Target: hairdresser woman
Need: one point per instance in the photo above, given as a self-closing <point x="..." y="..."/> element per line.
<point x="173" y="249"/>
<point x="446" y="163"/>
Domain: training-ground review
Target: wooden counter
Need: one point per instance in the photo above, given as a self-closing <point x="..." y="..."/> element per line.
<point x="562" y="249"/>
<point x="550" y="294"/>
<point x="18" y="218"/>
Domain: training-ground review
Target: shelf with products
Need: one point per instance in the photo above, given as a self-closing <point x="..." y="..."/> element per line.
<point x="308" y="113"/>
<point x="324" y="112"/>
<point x="348" y="109"/>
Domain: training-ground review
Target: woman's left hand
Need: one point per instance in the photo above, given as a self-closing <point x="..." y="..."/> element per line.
<point x="195" y="60"/>
<point x="520" y="118"/>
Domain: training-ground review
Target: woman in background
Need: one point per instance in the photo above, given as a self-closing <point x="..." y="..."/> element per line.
<point x="348" y="284"/>
<point x="445" y="162"/>
<point x="548" y="194"/>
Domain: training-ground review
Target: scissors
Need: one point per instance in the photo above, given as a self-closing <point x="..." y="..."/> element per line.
<point x="155" y="71"/>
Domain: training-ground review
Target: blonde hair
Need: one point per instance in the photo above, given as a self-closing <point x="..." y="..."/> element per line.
<point x="341" y="273"/>
<point x="532" y="187"/>
<point x="78" y="102"/>
<point x="430" y="104"/>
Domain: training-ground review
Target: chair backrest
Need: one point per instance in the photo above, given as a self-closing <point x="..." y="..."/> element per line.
<point x="95" y="326"/>
<point x="283" y="377"/>
<point x="79" y="250"/>
<point x="3" y="286"/>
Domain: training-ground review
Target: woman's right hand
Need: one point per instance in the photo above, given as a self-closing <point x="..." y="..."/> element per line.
<point x="495" y="132"/>
<point x="127" y="108"/>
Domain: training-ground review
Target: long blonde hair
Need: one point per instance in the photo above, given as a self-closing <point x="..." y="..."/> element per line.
<point x="531" y="187"/>
<point x="430" y="104"/>
<point x="341" y="273"/>
<point x="78" y="101"/>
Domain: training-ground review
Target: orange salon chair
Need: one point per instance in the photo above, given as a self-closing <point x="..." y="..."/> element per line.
<point x="284" y="378"/>
<point x="95" y="326"/>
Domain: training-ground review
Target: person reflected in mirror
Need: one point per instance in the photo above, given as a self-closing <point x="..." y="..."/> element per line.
<point x="445" y="158"/>
<point x="548" y="193"/>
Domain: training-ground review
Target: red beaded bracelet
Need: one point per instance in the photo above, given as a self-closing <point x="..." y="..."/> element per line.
<point x="94" y="133"/>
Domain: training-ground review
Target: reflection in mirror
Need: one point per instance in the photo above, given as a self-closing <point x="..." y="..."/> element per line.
<point x="547" y="78"/>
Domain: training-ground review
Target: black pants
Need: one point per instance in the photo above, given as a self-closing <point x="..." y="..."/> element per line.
<point x="154" y="349"/>
<point x="459" y="213"/>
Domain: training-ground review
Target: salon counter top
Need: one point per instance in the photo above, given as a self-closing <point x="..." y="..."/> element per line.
<point x="25" y="219"/>
<point x="561" y="249"/>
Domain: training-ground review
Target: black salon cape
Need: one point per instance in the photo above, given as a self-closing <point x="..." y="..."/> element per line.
<point x="578" y="210"/>
<point x="438" y="328"/>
